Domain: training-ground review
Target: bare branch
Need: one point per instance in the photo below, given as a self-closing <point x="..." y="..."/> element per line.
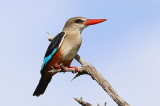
<point x="89" y="69"/>
<point x="49" y="37"/>
<point x="67" y="70"/>
<point x="80" y="60"/>
<point x="105" y="103"/>
<point x="83" y="103"/>
<point x="80" y="101"/>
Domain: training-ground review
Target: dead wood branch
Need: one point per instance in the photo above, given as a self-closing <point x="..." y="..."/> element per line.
<point x="49" y="37"/>
<point x="80" y="101"/>
<point x="90" y="70"/>
<point x="83" y="103"/>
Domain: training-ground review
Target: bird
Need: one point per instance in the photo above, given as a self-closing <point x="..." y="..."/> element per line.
<point x="63" y="49"/>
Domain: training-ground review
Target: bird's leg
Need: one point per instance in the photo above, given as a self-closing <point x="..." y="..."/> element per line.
<point x="63" y="68"/>
<point x="57" y="67"/>
<point x="76" y="69"/>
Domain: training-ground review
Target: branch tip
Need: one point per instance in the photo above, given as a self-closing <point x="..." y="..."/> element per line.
<point x="49" y="37"/>
<point x="80" y="101"/>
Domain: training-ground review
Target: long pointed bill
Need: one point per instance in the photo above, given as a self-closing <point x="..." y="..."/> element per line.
<point x="94" y="21"/>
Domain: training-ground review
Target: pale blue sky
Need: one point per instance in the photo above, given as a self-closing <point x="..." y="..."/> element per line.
<point x="125" y="50"/>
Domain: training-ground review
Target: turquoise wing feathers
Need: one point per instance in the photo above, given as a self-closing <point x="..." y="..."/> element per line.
<point x="53" y="48"/>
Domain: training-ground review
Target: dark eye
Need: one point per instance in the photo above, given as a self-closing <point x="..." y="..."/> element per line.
<point x="79" y="21"/>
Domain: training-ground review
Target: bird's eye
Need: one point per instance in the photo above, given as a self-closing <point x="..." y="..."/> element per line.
<point x="79" y="21"/>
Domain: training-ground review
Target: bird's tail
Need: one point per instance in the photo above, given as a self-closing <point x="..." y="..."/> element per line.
<point x="43" y="83"/>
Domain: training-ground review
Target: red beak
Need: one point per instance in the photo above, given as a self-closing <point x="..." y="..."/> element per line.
<point x="94" y="21"/>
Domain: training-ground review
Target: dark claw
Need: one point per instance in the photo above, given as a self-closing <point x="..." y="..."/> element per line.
<point x="63" y="68"/>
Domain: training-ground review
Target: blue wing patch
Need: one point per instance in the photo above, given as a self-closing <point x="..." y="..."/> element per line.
<point x="48" y="58"/>
<point x="52" y="49"/>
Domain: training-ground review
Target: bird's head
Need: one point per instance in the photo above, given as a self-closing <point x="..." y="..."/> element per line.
<point x="79" y="23"/>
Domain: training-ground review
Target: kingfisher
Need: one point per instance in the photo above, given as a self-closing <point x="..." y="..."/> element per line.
<point x="63" y="49"/>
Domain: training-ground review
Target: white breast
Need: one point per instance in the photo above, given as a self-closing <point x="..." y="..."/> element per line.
<point x="70" y="46"/>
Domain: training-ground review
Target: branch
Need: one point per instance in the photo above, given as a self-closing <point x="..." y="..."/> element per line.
<point x="80" y="101"/>
<point x="49" y="37"/>
<point x="83" y="103"/>
<point x="90" y="70"/>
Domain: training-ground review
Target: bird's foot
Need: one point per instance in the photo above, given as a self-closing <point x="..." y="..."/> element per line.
<point x="57" y="67"/>
<point x="63" y="68"/>
<point x="75" y="68"/>
<point x="53" y="71"/>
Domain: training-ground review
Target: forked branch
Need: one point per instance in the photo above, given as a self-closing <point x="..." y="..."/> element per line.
<point x="90" y="70"/>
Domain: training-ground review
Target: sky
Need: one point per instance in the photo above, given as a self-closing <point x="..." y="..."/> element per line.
<point x="125" y="50"/>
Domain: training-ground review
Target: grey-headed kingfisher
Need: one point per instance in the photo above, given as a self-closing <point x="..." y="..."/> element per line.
<point x="63" y="49"/>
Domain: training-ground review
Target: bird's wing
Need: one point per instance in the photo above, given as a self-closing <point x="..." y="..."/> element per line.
<point x="53" y="48"/>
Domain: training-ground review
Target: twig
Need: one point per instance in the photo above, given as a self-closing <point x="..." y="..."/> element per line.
<point x="80" y="101"/>
<point x="49" y="37"/>
<point x="83" y="103"/>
